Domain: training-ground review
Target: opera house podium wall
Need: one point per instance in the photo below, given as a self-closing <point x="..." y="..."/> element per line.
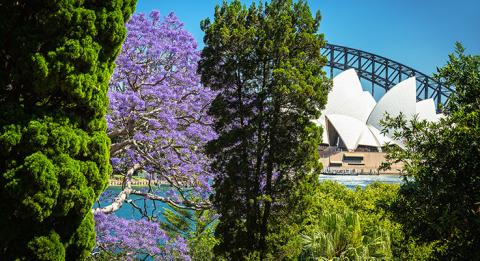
<point x="364" y="163"/>
<point x="352" y="134"/>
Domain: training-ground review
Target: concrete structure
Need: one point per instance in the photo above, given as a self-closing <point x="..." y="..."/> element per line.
<point x="351" y="120"/>
<point x="366" y="163"/>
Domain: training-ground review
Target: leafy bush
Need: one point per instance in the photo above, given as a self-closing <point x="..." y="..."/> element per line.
<point x="333" y="221"/>
<point x="340" y="235"/>
<point x="441" y="205"/>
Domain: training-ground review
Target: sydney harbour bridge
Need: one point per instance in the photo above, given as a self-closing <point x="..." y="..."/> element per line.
<point x="382" y="72"/>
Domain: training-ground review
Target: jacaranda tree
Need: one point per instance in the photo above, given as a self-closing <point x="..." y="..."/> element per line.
<point x="157" y="122"/>
<point x="266" y="65"/>
<point x="56" y="59"/>
<point x="126" y="239"/>
<point x="157" y="119"/>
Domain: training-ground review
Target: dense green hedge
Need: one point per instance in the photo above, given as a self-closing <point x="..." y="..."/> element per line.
<point x="56" y="58"/>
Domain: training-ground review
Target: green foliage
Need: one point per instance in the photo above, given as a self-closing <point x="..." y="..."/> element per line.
<point x="265" y="62"/>
<point x="365" y="214"/>
<point x="47" y="247"/>
<point x="334" y="222"/>
<point x="339" y="235"/>
<point x="441" y="205"/>
<point x="197" y="226"/>
<point x="201" y="246"/>
<point x="55" y="63"/>
<point x="463" y="73"/>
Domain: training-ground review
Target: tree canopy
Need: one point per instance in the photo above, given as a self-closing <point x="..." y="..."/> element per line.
<point x="157" y="118"/>
<point x="266" y="65"/>
<point x="441" y="204"/>
<point x="158" y="124"/>
<point x="225" y="139"/>
<point x="56" y="59"/>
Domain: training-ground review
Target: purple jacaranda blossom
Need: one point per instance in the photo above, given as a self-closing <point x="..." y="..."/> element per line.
<point x="157" y="115"/>
<point x="137" y="238"/>
<point x="157" y="119"/>
<point x="107" y="196"/>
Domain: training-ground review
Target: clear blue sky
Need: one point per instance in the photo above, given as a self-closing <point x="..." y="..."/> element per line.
<point x="418" y="33"/>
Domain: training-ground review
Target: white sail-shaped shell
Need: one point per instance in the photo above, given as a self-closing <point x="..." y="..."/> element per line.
<point x="349" y="129"/>
<point x="348" y="98"/>
<point x="400" y="99"/>
<point x="324" y="135"/>
<point x="366" y="105"/>
<point x="367" y="138"/>
<point x="426" y="110"/>
<point x="381" y="139"/>
<point x="351" y="117"/>
<point x="321" y="123"/>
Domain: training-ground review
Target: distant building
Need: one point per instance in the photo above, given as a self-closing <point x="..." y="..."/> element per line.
<point x="352" y="139"/>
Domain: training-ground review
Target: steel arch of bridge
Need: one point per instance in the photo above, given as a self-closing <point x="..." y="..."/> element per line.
<point x="383" y="72"/>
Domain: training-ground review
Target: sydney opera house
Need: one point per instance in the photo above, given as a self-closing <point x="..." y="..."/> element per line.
<point x="352" y="138"/>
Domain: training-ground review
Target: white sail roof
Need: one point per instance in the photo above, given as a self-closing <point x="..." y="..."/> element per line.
<point x="321" y="122"/>
<point x="348" y="98"/>
<point x="346" y="80"/>
<point x="366" y="105"/>
<point x="355" y="116"/>
<point x="367" y="138"/>
<point x="325" y="135"/>
<point x="400" y="99"/>
<point x="381" y="139"/>
<point x="426" y="110"/>
<point x="348" y="128"/>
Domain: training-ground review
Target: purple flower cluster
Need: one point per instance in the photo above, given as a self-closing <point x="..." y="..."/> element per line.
<point x="107" y="196"/>
<point x="134" y="238"/>
<point x="158" y="105"/>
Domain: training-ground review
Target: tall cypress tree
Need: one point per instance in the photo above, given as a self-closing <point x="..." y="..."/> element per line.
<point x="56" y="58"/>
<point x="265" y="62"/>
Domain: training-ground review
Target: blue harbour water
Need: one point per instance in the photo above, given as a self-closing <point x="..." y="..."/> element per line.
<point x="128" y="211"/>
<point x="352" y="181"/>
<point x="152" y="208"/>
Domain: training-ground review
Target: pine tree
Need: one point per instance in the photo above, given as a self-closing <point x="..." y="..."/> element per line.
<point x="56" y="59"/>
<point x="266" y="65"/>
